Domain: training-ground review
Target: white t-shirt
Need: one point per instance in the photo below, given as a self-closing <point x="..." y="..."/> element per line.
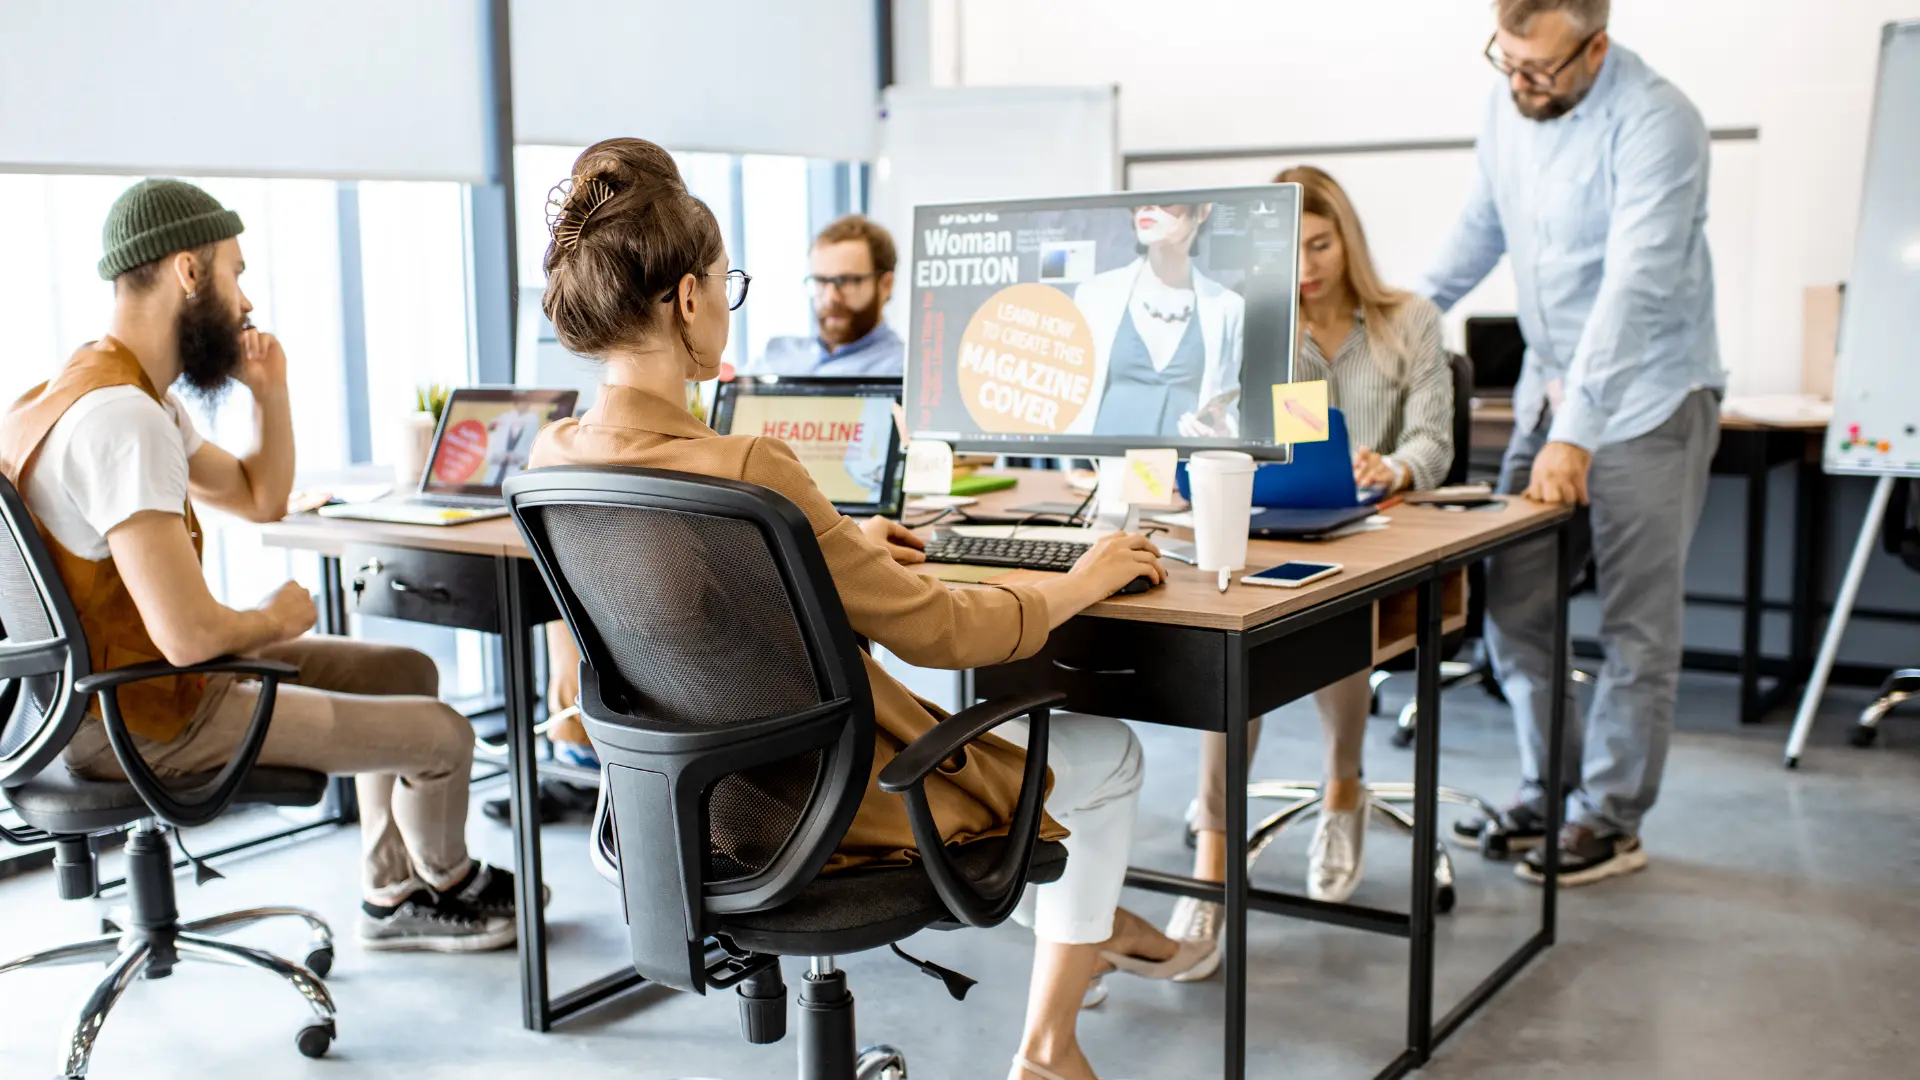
<point x="115" y="453"/>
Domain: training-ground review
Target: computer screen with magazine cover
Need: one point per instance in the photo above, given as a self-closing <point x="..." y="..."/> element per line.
<point x="486" y="435"/>
<point x="1098" y="324"/>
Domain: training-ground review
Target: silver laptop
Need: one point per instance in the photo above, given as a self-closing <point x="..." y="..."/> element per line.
<point x="484" y="437"/>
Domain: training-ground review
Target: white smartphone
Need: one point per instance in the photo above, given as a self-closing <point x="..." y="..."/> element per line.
<point x="1292" y="575"/>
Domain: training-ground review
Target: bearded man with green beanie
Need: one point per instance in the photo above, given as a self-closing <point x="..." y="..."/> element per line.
<point x="112" y="468"/>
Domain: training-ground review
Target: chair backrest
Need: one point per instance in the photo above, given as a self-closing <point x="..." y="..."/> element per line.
<point x="1462" y="418"/>
<point x="43" y="651"/>
<point x="1900" y="529"/>
<point x="721" y="684"/>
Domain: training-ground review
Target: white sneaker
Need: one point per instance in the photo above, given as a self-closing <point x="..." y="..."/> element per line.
<point x="1196" y="920"/>
<point x="1335" y="859"/>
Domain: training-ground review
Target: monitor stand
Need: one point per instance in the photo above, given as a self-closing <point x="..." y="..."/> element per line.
<point x="1111" y="511"/>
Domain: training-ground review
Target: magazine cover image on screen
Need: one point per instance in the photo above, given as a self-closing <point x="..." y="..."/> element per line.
<point x="486" y="442"/>
<point x="1136" y="318"/>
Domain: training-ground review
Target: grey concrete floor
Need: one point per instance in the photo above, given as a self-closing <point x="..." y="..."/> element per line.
<point x="1776" y="934"/>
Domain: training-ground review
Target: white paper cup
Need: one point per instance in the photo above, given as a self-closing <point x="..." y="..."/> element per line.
<point x="1222" y="486"/>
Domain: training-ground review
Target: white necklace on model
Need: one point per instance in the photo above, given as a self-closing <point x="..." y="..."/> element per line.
<point x="1176" y="305"/>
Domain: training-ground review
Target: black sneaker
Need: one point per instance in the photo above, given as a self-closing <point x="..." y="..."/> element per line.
<point x="1586" y="857"/>
<point x="1520" y="827"/>
<point x="490" y="890"/>
<point x="428" y="922"/>
<point x="559" y="801"/>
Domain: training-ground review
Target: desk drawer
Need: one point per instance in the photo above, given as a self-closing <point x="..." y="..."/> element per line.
<point x="435" y="587"/>
<point x="1176" y="675"/>
<point x="1137" y="671"/>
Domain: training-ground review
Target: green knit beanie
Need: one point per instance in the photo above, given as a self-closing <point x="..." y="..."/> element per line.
<point x="156" y="218"/>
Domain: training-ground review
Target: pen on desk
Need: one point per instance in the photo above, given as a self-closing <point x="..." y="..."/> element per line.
<point x="1390" y="503"/>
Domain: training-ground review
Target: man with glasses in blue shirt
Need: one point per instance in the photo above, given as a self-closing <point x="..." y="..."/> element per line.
<point x="1593" y="180"/>
<point x="852" y="262"/>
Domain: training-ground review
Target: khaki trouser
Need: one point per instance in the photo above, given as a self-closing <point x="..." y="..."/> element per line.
<point x="361" y="708"/>
<point x="1343" y="723"/>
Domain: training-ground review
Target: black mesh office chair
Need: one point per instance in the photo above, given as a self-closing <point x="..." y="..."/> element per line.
<point x="726" y="696"/>
<point x="1900" y="537"/>
<point x="45" y="686"/>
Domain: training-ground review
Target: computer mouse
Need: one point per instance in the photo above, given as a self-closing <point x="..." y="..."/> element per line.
<point x="1137" y="585"/>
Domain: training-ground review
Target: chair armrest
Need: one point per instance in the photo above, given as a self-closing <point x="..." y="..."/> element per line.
<point x="950" y="736"/>
<point x="23" y="659"/>
<point x="160" y="669"/>
<point x="197" y="807"/>
<point x="989" y="901"/>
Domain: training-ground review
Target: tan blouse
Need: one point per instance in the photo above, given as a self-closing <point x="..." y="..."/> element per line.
<point x="918" y="618"/>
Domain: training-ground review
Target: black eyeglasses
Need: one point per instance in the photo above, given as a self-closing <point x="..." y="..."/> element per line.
<point x="737" y="283"/>
<point x="842" y="282"/>
<point x="1539" y="80"/>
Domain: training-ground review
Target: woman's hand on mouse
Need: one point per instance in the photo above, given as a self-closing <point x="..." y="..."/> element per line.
<point x="1115" y="560"/>
<point x="899" y="541"/>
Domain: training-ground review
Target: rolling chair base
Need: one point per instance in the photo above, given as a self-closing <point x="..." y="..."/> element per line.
<point x="156" y="941"/>
<point x="1901" y="686"/>
<point x="826" y="1023"/>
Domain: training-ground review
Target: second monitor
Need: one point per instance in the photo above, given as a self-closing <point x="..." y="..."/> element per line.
<point x="1089" y="326"/>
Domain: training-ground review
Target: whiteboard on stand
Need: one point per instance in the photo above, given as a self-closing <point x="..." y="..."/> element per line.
<point x="1876" y="406"/>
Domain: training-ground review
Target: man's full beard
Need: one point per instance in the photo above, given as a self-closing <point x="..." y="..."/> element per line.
<point x="1554" y="107"/>
<point x="860" y="321"/>
<point x="208" y="338"/>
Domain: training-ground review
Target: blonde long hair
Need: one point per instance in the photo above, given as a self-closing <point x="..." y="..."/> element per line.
<point x="1322" y="194"/>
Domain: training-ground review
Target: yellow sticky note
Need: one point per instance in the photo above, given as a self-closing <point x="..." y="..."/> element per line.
<point x="1300" y="412"/>
<point x="1150" y="477"/>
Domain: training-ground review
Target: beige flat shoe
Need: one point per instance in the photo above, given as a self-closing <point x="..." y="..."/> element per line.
<point x="1022" y="1065"/>
<point x="1190" y="954"/>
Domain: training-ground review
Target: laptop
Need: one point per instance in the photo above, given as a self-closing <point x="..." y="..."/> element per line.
<point x="484" y="437"/>
<point x="1313" y="494"/>
<point x="841" y="429"/>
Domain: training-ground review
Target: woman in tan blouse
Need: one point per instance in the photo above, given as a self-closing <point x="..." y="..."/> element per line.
<point x="637" y="278"/>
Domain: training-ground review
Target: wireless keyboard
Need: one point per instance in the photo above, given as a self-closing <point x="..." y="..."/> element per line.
<point x="1015" y="552"/>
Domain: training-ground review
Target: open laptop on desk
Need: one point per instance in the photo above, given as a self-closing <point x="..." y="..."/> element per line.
<point x="842" y="430"/>
<point x="484" y="437"/>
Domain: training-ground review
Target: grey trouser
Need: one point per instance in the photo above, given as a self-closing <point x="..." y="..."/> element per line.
<point x="1646" y="497"/>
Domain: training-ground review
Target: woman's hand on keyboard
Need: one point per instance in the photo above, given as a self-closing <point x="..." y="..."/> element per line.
<point x="899" y="542"/>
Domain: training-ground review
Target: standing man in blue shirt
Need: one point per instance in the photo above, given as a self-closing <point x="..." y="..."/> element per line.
<point x="852" y="278"/>
<point x="1593" y="180"/>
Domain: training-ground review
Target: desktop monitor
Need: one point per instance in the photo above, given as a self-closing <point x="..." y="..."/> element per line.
<point x="841" y="429"/>
<point x="1497" y="350"/>
<point x="1093" y="325"/>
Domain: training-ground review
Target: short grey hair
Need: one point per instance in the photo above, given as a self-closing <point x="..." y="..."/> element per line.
<point x="1584" y="16"/>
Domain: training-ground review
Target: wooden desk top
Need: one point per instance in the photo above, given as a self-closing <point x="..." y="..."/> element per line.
<point x="1500" y="411"/>
<point x="1418" y="536"/>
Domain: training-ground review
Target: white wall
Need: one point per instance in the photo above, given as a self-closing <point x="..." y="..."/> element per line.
<point x="1223" y="74"/>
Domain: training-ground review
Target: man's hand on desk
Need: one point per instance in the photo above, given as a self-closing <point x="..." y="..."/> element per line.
<point x="291" y="608"/>
<point x="1560" y="475"/>
<point x="899" y="542"/>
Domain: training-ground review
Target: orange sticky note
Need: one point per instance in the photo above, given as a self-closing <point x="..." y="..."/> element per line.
<point x="1300" y="412"/>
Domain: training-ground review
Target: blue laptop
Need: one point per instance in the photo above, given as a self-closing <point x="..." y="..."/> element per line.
<point x="1310" y="495"/>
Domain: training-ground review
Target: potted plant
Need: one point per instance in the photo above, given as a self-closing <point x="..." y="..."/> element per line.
<point x="416" y="440"/>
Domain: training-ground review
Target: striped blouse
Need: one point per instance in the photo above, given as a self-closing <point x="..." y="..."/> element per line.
<point x="1411" y="422"/>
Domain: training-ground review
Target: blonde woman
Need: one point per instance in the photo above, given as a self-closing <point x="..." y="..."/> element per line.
<point x="1379" y="350"/>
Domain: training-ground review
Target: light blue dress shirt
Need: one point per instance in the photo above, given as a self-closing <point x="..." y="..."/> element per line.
<point x="880" y="352"/>
<point x="1603" y="212"/>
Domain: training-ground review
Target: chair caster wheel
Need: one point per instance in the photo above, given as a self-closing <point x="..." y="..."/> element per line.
<point x="1863" y="736"/>
<point x="314" y="1039"/>
<point x="1493" y="845"/>
<point x="320" y="960"/>
<point x="108" y="926"/>
<point x="1443" y="899"/>
<point x="1192" y="838"/>
<point x="1402" y="737"/>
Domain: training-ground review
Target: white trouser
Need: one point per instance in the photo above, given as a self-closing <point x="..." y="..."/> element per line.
<point x="1097" y="772"/>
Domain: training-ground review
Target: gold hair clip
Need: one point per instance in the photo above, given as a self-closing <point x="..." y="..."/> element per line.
<point x="570" y="203"/>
